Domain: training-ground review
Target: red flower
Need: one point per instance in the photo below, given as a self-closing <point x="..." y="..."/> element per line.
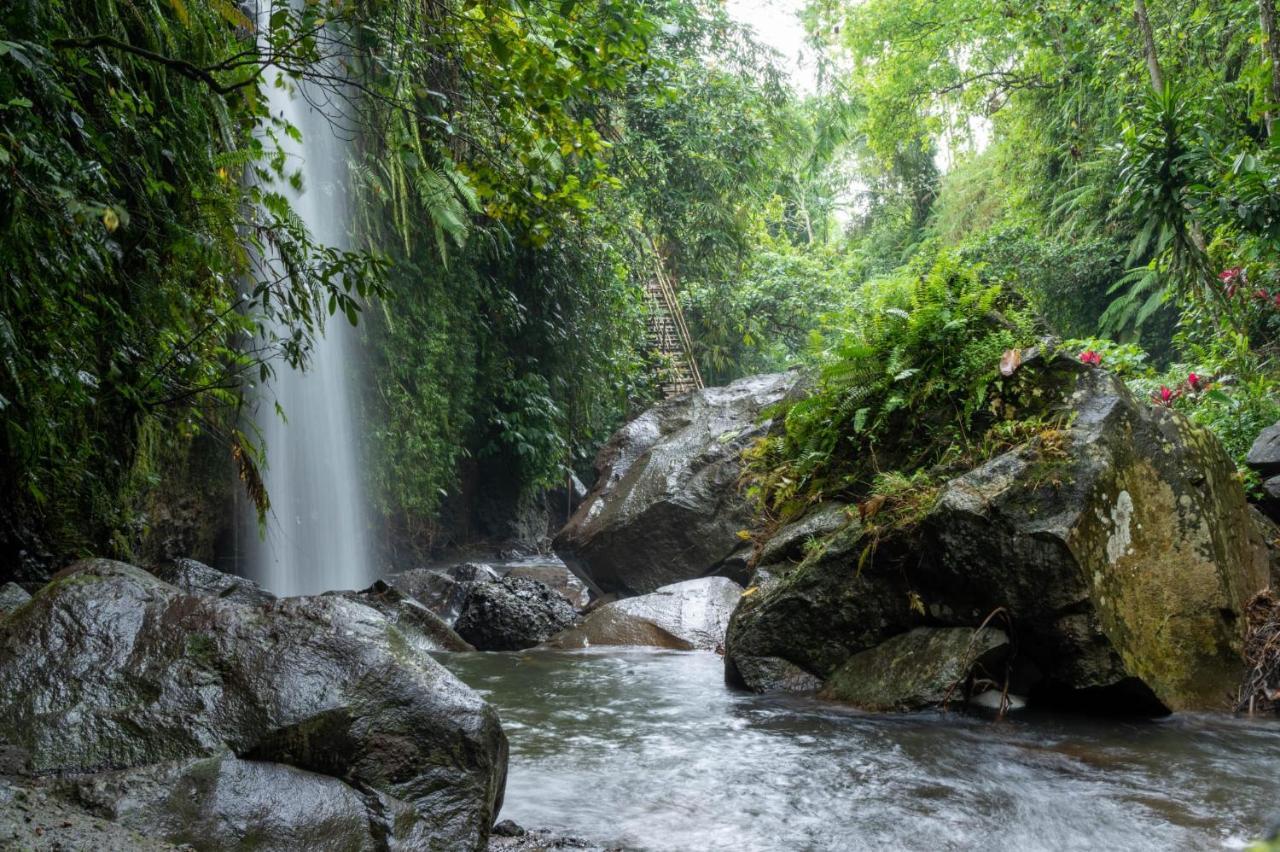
<point x="1164" y="396"/>
<point x="1090" y="357"/>
<point x="1228" y="276"/>
<point x="1194" y="381"/>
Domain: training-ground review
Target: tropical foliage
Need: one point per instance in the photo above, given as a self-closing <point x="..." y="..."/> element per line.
<point x="958" y="179"/>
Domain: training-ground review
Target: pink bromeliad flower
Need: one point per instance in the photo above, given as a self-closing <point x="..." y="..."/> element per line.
<point x="1229" y="276"/>
<point x="1165" y="396"/>
<point x="1093" y="359"/>
<point x="1194" y="381"/>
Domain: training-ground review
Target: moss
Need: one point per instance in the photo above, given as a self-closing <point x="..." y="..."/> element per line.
<point x="202" y="649"/>
<point x="399" y="646"/>
<point x="1158" y="588"/>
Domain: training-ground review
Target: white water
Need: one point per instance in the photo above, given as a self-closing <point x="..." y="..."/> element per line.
<point x="316" y="537"/>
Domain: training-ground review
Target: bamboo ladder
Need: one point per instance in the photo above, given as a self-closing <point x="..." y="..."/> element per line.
<point x="668" y="334"/>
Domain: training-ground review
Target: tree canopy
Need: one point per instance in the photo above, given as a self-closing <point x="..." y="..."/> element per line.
<point x="1105" y="172"/>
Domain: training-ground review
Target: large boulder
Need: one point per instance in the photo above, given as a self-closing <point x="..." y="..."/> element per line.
<point x="666" y="505"/>
<point x="1119" y="544"/>
<point x="685" y="616"/>
<point x="109" y="668"/>
<point x="512" y="614"/>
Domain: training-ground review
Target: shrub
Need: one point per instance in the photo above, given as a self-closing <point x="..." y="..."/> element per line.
<point x="903" y="385"/>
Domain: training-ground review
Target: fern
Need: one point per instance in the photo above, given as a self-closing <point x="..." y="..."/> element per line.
<point x="902" y="379"/>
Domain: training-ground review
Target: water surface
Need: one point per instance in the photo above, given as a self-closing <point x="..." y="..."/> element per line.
<point x="649" y="750"/>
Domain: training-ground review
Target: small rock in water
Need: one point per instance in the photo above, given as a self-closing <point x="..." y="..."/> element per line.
<point x="513" y="614"/>
<point x="684" y="616"/>
<point x="917" y="669"/>
<point x="508" y="828"/>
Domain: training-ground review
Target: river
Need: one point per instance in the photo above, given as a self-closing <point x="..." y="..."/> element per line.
<point x="649" y="750"/>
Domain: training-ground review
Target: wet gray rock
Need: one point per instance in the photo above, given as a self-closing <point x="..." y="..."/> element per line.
<point x="33" y="819"/>
<point x="1120" y="545"/>
<point x="12" y="596"/>
<point x="436" y="590"/>
<point x="556" y="576"/>
<point x="685" y="616"/>
<point x="809" y="618"/>
<point x="789" y="543"/>
<point x="443" y="590"/>
<point x="666" y="505"/>
<point x="918" y="669"/>
<point x="769" y="673"/>
<point x="473" y="572"/>
<point x="1264" y="455"/>
<point x="196" y="578"/>
<point x="512" y="614"/>
<point x="226" y="803"/>
<point x="109" y="668"/>
<point x="425" y="630"/>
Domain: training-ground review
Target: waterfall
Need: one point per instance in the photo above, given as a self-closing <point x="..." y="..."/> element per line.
<point x="316" y="537"/>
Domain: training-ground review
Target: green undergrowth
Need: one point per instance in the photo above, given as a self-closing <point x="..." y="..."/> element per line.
<point x="908" y="389"/>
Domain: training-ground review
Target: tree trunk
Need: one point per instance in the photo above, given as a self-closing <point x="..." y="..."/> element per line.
<point x="1149" y="44"/>
<point x="1271" y="48"/>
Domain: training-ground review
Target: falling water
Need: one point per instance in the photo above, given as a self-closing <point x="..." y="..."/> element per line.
<point x="316" y="538"/>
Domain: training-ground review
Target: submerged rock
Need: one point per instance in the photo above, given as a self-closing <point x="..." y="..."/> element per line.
<point x="109" y="668"/>
<point x="196" y="578"/>
<point x="918" y="669"/>
<point x="666" y="506"/>
<point x="684" y="616"/>
<point x="512" y="614"/>
<point x="1119" y="544"/>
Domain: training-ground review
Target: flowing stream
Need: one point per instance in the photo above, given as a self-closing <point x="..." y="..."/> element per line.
<point x="316" y="537"/>
<point x="649" y="750"/>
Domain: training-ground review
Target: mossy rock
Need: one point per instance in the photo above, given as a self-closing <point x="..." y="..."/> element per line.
<point x="1121" y="554"/>
<point x="918" y="669"/>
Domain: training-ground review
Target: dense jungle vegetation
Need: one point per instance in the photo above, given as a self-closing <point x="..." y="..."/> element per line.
<point x="964" y="177"/>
